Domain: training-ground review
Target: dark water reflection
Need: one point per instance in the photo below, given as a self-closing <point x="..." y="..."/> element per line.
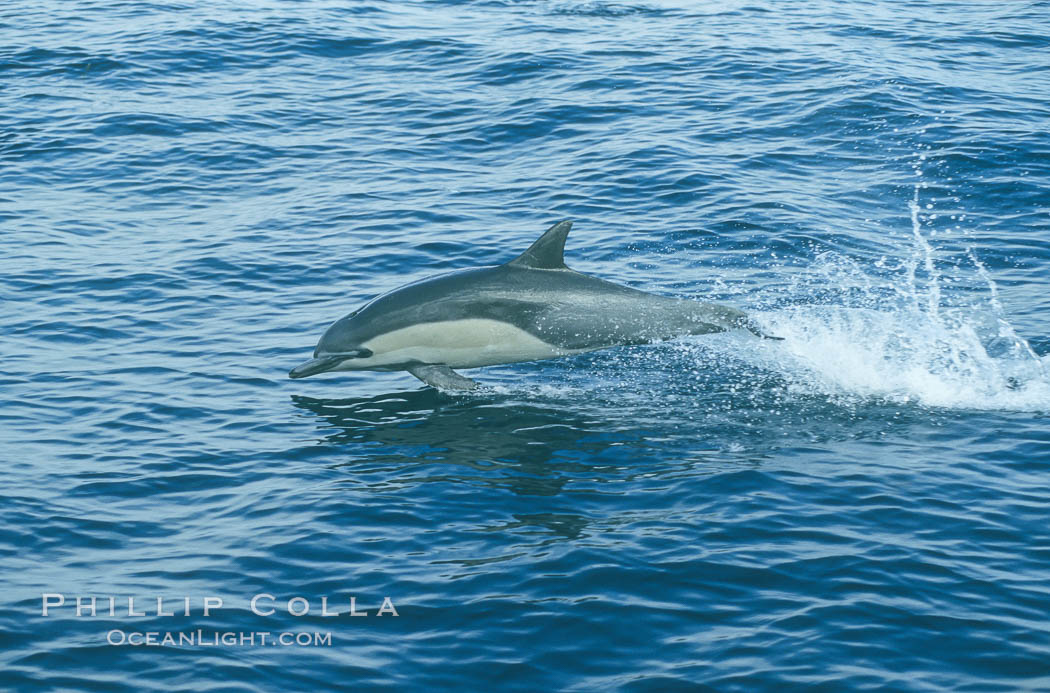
<point x="665" y="422"/>
<point x="531" y="449"/>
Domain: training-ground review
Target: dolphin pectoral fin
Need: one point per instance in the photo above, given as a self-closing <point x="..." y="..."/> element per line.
<point x="442" y="377"/>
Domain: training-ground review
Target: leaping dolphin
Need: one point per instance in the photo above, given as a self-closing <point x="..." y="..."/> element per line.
<point x="531" y="308"/>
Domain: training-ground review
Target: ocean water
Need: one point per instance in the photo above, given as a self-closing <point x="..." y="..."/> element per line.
<point x="190" y="192"/>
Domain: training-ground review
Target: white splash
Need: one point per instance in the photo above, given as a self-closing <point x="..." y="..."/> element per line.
<point x="900" y="340"/>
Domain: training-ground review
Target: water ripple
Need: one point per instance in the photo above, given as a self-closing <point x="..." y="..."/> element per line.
<point x="191" y="193"/>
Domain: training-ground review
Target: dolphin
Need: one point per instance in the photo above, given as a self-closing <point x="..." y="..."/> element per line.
<point x="531" y="308"/>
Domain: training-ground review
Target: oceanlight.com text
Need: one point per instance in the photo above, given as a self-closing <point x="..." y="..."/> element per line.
<point x="202" y="638"/>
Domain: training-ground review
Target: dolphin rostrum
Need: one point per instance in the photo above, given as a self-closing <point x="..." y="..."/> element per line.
<point x="533" y="307"/>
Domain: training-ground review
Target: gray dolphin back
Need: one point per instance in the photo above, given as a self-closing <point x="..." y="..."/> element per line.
<point x="537" y="293"/>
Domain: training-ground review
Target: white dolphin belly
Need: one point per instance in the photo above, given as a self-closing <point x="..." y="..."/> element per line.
<point x="466" y="343"/>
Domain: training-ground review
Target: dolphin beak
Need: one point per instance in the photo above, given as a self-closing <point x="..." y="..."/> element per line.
<point x="326" y="363"/>
<point x="315" y="366"/>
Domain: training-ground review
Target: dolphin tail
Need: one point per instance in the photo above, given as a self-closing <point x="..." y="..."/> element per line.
<point x="743" y="320"/>
<point x="750" y="326"/>
<point x="729" y="318"/>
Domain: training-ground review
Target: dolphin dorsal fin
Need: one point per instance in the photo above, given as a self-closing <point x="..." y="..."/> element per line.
<point x="548" y="251"/>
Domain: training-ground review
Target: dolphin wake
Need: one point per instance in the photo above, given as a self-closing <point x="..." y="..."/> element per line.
<point x="930" y="330"/>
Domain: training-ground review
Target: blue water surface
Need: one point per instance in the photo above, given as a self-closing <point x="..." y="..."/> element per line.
<point x="190" y="192"/>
